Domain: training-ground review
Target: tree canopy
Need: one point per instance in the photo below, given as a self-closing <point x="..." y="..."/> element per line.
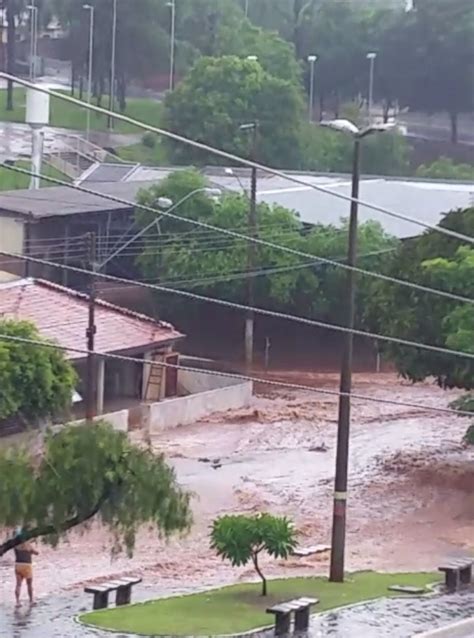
<point x="220" y="94"/>
<point x="37" y="382"/>
<point x="179" y="255"/>
<point x="436" y="261"/>
<point x="241" y="539"/>
<point x="87" y="473"/>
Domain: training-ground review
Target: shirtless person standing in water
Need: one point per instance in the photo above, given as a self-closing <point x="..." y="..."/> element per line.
<point x="24" y="569"/>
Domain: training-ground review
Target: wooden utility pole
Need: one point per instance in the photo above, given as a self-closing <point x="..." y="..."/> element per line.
<point x="343" y="429"/>
<point x="91" y="331"/>
<point x="251" y="251"/>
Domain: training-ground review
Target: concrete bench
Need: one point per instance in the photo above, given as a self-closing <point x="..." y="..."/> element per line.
<point x="283" y="612"/>
<point x="122" y="587"/>
<point x="457" y="572"/>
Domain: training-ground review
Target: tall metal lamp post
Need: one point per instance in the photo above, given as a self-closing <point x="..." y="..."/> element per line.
<point x="343" y="428"/>
<point x="89" y="8"/>
<point x="33" y="38"/>
<point x="371" y="57"/>
<point x="113" y="57"/>
<point x="172" y="6"/>
<point x="312" y="61"/>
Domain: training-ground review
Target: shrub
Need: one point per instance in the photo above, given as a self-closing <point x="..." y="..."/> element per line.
<point x="464" y="403"/>
<point x="469" y="436"/>
<point x="149" y="140"/>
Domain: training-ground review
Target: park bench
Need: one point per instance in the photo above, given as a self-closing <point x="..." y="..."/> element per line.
<point x="283" y="612"/>
<point x="458" y="571"/>
<point x="122" y="587"/>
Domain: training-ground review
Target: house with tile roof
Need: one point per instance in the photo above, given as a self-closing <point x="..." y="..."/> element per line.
<point x="61" y="315"/>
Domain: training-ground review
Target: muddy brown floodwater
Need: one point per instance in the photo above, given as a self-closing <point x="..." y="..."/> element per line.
<point x="411" y="489"/>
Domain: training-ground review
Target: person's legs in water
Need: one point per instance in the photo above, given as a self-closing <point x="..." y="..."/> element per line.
<point x="19" y="580"/>
<point x="29" y="584"/>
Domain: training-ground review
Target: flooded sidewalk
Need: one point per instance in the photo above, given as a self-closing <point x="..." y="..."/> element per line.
<point x="385" y="618"/>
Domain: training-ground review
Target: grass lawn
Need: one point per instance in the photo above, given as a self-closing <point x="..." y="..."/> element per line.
<point x="67" y="115"/>
<point x="9" y="180"/>
<point x="239" y="608"/>
<point x="142" y="154"/>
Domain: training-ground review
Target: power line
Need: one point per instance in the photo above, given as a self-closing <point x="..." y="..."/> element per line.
<point x="234" y="375"/>
<point x="256" y="240"/>
<point x="261" y="311"/>
<point x="232" y="157"/>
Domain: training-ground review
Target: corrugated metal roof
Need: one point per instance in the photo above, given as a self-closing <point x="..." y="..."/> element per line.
<point x="61" y="314"/>
<point x="58" y="201"/>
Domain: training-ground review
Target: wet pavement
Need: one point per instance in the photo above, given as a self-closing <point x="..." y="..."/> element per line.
<point x="385" y="618"/>
<point x="15" y="140"/>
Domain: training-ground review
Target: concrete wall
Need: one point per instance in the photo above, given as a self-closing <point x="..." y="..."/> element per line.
<point x="119" y="420"/>
<point x="11" y="239"/>
<point x="186" y="410"/>
<point x="193" y="382"/>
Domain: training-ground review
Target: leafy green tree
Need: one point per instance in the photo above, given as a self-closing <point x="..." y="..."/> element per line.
<point x="37" y="382"/>
<point x="182" y="256"/>
<point x="241" y="539"/>
<point x="142" y="44"/>
<point x="88" y="473"/>
<point x="442" y="65"/>
<point x="432" y="260"/>
<point x="446" y="168"/>
<point x="219" y="95"/>
<point x="276" y="56"/>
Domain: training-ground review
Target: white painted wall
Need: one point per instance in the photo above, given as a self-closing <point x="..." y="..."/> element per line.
<point x="186" y="410"/>
<point x="194" y="382"/>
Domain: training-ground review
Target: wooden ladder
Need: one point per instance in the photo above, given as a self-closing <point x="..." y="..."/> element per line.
<point x="155" y="379"/>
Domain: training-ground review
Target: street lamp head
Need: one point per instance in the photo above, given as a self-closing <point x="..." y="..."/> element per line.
<point x="212" y="192"/>
<point x="229" y="171"/>
<point x="371" y="55"/>
<point x="344" y="126"/>
<point x="312" y="58"/>
<point x="87" y="7"/>
<point x="248" y="127"/>
<point x="252" y="58"/>
<point x="164" y="202"/>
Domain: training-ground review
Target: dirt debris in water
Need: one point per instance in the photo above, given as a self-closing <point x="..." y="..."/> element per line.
<point x="409" y="502"/>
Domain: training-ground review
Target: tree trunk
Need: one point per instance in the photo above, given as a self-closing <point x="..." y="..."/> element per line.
<point x="387" y="105"/>
<point x="454" y="127"/>
<point x="259" y="572"/>
<point x="48" y="530"/>
<point x="121" y="89"/>
<point x="11" y="36"/>
<point x="81" y="87"/>
<point x="321" y="106"/>
<point x="73" y="78"/>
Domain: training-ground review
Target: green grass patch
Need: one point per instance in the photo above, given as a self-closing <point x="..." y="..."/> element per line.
<point x="9" y="180"/>
<point x="66" y="115"/>
<point x="240" y="608"/>
<point x="142" y="154"/>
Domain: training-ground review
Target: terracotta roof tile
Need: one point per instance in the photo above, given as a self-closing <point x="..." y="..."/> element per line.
<point x="61" y="314"/>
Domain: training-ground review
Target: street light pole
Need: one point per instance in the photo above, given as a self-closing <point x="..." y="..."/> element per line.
<point x="311" y="59"/>
<point x="112" y="62"/>
<point x="33" y="37"/>
<point x="90" y="8"/>
<point x="168" y="207"/>
<point x="172" y="5"/>
<point x="371" y="57"/>
<point x="344" y="418"/>
<point x="338" y="541"/>
<point x="246" y="8"/>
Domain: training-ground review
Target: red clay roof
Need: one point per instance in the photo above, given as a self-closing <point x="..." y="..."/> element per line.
<point x="61" y="314"/>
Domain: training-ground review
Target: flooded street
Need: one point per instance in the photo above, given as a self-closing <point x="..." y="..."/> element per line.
<point x="411" y="498"/>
